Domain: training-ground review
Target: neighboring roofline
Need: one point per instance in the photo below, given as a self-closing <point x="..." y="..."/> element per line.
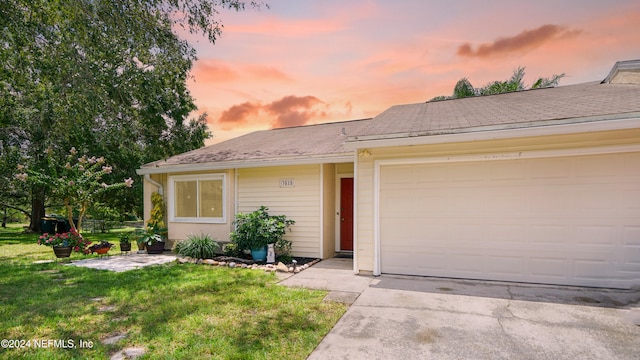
<point x="495" y="132"/>
<point x="621" y="66"/>
<point x="251" y="163"/>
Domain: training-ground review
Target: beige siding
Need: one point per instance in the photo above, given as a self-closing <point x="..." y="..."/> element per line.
<point x="302" y="202"/>
<point x="344" y="168"/>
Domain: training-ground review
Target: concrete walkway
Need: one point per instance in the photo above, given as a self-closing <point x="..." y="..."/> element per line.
<point x="398" y="317"/>
<point x="335" y="275"/>
<point x="125" y="262"/>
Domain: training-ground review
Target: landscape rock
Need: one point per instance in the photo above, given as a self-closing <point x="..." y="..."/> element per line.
<point x="232" y="264"/>
<point x="282" y="267"/>
<point x="208" y="261"/>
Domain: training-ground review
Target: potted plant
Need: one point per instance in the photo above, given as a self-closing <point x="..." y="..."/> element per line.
<point x="125" y="242"/>
<point x="152" y="241"/>
<point x="254" y="231"/>
<point x="101" y="248"/>
<point x="64" y="243"/>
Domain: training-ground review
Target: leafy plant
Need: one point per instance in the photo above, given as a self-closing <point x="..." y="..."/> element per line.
<point x="258" y="229"/>
<point x="125" y="238"/>
<point x="156" y="217"/>
<point x="231" y="249"/>
<point x="201" y="246"/>
<point x="149" y="237"/>
<point x="156" y="229"/>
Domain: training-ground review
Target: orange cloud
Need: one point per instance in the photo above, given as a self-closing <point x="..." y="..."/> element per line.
<point x="215" y="71"/>
<point x="207" y="70"/>
<point x="266" y="72"/>
<point x="525" y="40"/>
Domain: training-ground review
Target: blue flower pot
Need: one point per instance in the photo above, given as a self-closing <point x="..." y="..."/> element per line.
<point x="259" y="254"/>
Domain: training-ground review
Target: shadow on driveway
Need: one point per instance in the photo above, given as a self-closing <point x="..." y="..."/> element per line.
<point x="572" y="295"/>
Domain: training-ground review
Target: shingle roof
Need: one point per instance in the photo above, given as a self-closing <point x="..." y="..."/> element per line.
<point x="560" y="105"/>
<point x="301" y="141"/>
<point x="513" y="110"/>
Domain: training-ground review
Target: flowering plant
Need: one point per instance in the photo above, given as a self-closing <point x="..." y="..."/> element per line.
<point x="76" y="184"/>
<point x="71" y="238"/>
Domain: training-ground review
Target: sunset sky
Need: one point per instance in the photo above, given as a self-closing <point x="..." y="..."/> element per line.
<point x="305" y="62"/>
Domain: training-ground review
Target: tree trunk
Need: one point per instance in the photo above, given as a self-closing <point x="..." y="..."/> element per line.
<point x="37" y="209"/>
<point x="4" y="218"/>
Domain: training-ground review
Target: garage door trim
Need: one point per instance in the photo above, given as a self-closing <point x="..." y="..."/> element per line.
<point x="379" y="163"/>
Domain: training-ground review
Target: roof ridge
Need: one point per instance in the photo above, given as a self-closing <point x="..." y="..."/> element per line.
<point x="318" y="124"/>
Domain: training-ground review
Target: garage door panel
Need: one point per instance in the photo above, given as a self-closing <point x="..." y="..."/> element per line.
<point x="543" y="234"/>
<point x="547" y="220"/>
<point x="548" y="267"/>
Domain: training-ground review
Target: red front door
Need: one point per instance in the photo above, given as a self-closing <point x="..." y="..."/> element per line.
<point x="346" y="214"/>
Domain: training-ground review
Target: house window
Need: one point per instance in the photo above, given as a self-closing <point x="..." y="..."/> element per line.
<point x="197" y="198"/>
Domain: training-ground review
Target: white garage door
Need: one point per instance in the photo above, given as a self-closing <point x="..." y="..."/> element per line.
<point x="564" y="220"/>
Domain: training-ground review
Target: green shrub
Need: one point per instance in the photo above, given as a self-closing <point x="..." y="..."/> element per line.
<point x="257" y="229"/>
<point x="232" y="250"/>
<point x="201" y="246"/>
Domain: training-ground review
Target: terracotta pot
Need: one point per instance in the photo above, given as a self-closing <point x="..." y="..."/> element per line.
<point x="101" y="251"/>
<point x="62" y="251"/>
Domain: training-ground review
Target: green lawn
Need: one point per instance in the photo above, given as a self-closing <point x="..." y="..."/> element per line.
<point x="174" y="311"/>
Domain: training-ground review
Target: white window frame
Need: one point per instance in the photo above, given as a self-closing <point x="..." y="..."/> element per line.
<point x="171" y="198"/>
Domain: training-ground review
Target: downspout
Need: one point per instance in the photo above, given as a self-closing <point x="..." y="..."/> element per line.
<point x="148" y="178"/>
<point x="235" y="195"/>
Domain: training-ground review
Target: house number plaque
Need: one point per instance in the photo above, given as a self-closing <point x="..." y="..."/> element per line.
<point x="286" y="183"/>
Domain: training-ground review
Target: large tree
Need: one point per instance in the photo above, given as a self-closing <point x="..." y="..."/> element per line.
<point x="107" y="77"/>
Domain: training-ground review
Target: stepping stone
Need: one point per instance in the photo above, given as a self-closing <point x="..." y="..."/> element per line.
<point x="113" y="339"/>
<point x="43" y="262"/>
<point x="129" y="353"/>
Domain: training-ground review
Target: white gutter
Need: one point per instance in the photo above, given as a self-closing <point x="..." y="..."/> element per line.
<point x="493" y="133"/>
<point x="148" y="178"/>
<point x="243" y="164"/>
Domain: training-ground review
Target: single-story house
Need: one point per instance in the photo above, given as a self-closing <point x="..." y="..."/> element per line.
<point x="539" y="186"/>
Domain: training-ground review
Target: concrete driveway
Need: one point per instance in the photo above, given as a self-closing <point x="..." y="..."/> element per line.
<point x="427" y="318"/>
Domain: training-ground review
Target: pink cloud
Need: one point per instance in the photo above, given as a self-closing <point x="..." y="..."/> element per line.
<point x="286" y="112"/>
<point x="293" y="110"/>
<point x="238" y="115"/>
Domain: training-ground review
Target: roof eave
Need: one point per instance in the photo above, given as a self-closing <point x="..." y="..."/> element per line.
<point x="496" y="132"/>
<point x="251" y="163"/>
